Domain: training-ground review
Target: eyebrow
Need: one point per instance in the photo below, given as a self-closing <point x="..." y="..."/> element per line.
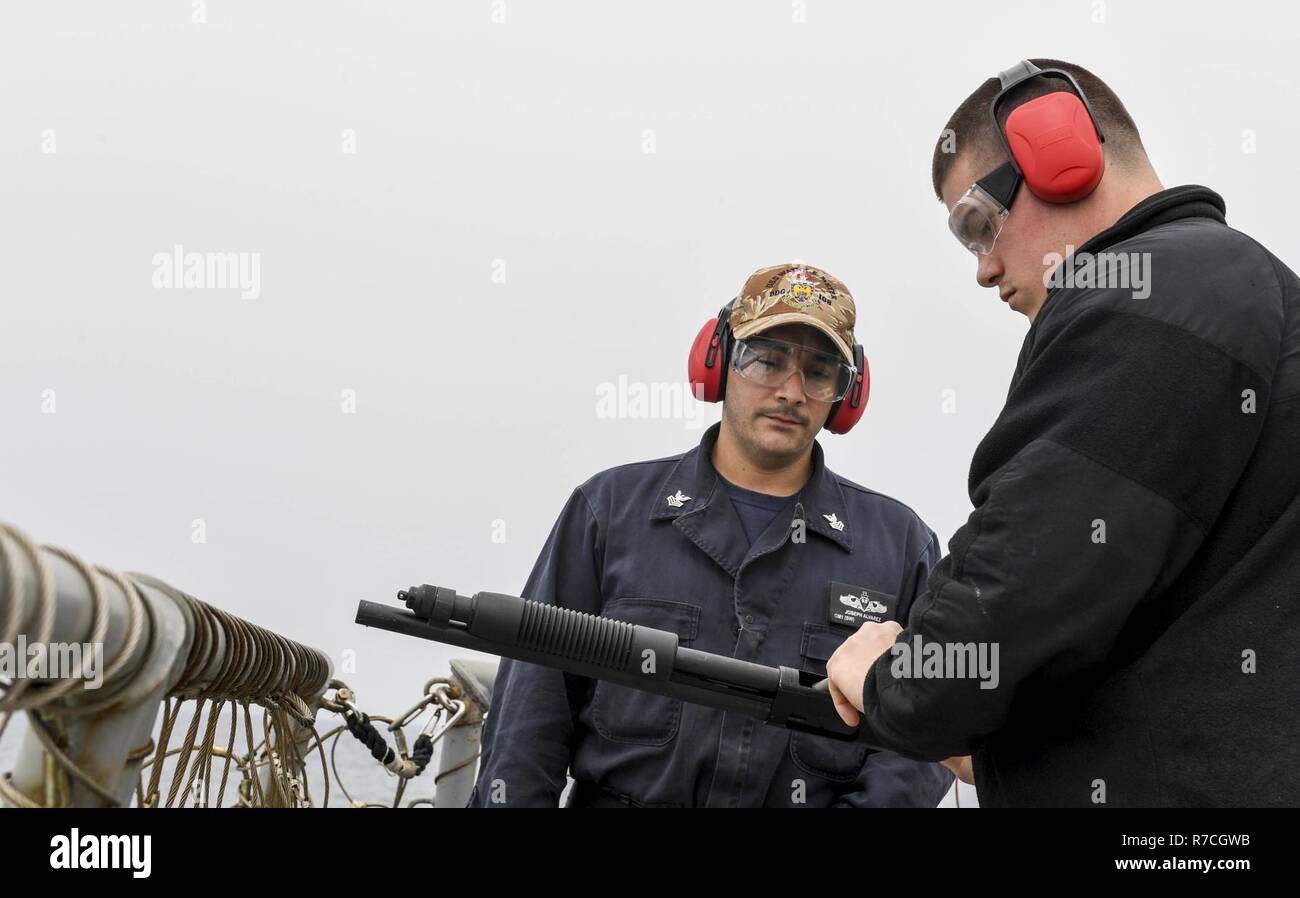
<point x="816" y="348"/>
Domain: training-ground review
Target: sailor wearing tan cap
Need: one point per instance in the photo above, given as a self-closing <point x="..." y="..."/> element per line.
<point x="746" y="545"/>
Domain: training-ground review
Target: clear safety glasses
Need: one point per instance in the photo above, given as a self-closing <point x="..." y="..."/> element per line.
<point x="769" y="362"/>
<point x="976" y="219"/>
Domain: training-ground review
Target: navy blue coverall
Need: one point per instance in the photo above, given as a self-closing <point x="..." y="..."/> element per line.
<point x="659" y="543"/>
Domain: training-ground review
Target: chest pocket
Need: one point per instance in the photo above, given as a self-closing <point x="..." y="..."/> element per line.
<point x="628" y="715"/>
<point x="818" y="755"/>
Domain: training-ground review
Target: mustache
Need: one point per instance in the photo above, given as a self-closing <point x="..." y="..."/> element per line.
<point x="787" y="413"/>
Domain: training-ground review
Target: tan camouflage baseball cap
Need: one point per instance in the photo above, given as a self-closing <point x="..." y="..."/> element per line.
<point x="795" y="293"/>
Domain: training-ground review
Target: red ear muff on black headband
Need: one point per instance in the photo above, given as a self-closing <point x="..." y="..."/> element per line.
<point x="1054" y="139"/>
<point x="846" y="412"/>
<point x="711" y="357"/>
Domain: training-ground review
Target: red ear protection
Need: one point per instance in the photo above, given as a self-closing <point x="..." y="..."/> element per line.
<point x="1054" y="140"/>
<point x="711" y="357"/>
<point x="1055" y="144"/>
<point x="846" y="412"/>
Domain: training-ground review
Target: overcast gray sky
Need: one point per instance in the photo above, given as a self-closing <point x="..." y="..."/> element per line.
<point x="472" y="215"/>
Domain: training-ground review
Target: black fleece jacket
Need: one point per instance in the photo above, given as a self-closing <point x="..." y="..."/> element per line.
<point x="1134" y="549"/>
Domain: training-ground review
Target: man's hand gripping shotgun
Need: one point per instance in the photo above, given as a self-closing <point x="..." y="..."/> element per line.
<point x="615" y="651"/>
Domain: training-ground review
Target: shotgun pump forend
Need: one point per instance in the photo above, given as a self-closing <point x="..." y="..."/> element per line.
<point x="602" y="648"/>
